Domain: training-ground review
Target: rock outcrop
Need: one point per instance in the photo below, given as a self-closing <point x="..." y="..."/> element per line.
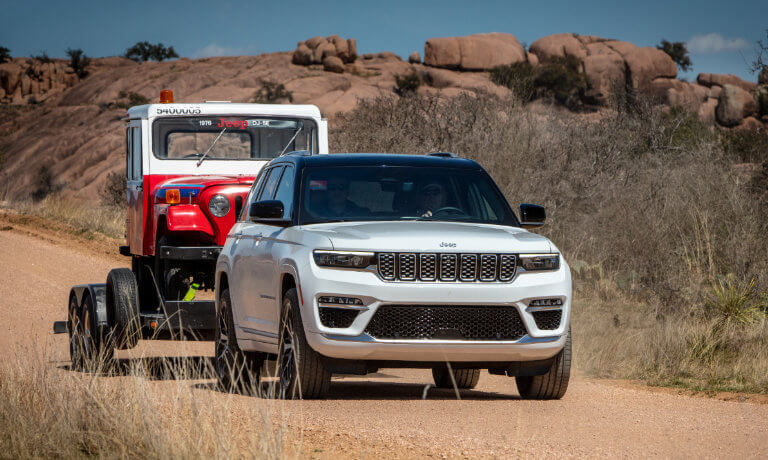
<point x="317" y="50"/>
<point x="734" y="105"/>
<point x="473" y="52"/>
<point x="27" y="80"/>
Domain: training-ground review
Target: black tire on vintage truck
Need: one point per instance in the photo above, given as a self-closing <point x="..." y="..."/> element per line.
<point x="122" y="298"/>
<point x="301" y="374"/>
<point x="553" y="384"/>
<point x="236" y="370"/>
<point x="465" y="378"/>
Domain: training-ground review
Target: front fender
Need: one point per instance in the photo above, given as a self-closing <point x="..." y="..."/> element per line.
<point x="187" y="218"/>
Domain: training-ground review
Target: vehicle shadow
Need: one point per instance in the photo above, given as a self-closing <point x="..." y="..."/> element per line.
<point x="383" y="391"/>
<point x="152" y="368"/>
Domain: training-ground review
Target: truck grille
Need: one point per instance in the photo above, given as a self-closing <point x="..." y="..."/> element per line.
<point x="547" y="320"/>
<point x="446" y="267"/>
<point x="455" y="322"/>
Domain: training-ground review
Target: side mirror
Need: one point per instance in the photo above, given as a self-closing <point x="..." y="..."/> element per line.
<point x="268" y="212"/>
<point x="532" y="215"/>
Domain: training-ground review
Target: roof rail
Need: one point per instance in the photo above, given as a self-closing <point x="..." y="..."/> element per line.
<point x="298" y="153"/>
<point x="443" y="154"/>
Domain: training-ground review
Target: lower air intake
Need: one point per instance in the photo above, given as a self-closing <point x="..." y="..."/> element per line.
<point x="453" y="322"/>
<point x="337" y="317"/>
<point x="547" y="320"/>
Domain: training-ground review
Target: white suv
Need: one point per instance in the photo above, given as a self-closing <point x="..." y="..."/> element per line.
<point x="349" y="263"/>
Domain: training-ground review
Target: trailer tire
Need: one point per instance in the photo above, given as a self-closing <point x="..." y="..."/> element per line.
<point x="76" y="345"/>
<point x="123" y="308"/>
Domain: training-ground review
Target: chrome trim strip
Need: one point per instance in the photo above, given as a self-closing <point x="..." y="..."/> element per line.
<point x="365" y="338"/>
<point x="339" y="305"/>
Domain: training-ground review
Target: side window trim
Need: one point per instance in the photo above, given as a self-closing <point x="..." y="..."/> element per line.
<point x="255" y="189"/>
<point x="287" y="171"/>
<point x="273" y="170"/>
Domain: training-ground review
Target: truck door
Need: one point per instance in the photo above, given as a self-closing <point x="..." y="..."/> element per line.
<point x="135" y="187"/>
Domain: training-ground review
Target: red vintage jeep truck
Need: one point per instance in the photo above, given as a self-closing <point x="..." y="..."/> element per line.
<point x="189" y="167"/>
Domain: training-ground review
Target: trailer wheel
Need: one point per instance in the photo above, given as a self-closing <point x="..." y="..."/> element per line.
<point x="235" y="369"/>
<point x="123" y="308"/>
<point x="89" y="349"/>
<point x="75" y="334"/>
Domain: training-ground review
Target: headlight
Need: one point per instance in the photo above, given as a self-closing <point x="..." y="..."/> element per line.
<point x="219" y="205"/>
<point x="532" y="262"/>
<point x="344" y="259"/>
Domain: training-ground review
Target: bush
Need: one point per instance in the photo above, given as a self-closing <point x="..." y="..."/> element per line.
<point x="42" y="57"/>
<point x="130" y="99"/>
<point x="678" y="52"/>
<point x="517" y="77"/>
<point x="407" y="84"/>
<point x="749" y="146"/>
<point x="43" y="185"/>
<point x="145" y="51"/>
<point x="271" y="93"/>
<point x="79" y="62"/>
<point x="5" y="54"/>
<point x="113" y="191"/>
<point x="561" y="78"/>
<point x="736" y="302"/>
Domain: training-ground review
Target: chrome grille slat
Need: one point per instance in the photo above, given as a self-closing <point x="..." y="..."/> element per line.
<point x="446" y="267"/>
<point x="407" y="267"/>
<point x="468" y="267"/>
<point x="428" y="267"/>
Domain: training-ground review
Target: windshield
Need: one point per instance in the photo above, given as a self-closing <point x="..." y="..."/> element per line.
<point x="372" y="193"/>
<point x="239" y="138"/>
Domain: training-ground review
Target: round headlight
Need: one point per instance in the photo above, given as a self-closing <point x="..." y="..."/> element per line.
<point x="219" y="205"/>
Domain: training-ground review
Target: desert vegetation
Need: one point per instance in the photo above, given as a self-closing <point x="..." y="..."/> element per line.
<point x="79" y="62"/>
<point x="678" y="51"/>
<point x="146" y="51"/>
<point x="665" y="233"/>
<point x="272" y="93"/>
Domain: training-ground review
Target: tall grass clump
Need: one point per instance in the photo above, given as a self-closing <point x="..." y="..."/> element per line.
<point x="643" y="203"/>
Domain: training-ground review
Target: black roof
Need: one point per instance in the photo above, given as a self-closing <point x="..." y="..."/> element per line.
<point x="377" y="159"/>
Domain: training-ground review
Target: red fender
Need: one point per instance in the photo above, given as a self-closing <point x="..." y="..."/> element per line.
<point x="188" y="218"/>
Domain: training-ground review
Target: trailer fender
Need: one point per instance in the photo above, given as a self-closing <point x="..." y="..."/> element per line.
<point x="97" y="293"/>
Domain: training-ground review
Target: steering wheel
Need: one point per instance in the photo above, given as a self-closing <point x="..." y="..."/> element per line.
<point x="193" y="155"/>
<point x="450" y="210"/>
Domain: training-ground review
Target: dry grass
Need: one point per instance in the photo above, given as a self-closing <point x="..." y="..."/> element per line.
<point x="646" y="207"/>
<point x="54" y="412"/>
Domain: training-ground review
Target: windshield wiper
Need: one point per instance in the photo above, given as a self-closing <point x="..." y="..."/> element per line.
<point x="211" y="147"/>
<point x="289" y="142"/>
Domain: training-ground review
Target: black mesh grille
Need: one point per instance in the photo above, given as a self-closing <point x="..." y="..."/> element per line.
<point x="548" y="319"/>
<point x="337" y="317"/>
<point x="464" y="322"/>
<point x="446" y="267"/>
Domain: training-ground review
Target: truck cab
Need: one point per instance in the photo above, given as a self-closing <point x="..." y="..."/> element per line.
<point x="188" y="169"/>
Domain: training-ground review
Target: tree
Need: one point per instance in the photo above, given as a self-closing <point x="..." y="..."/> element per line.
<point x="145" y="51"/>
<point x="678" y="52"/>
<point x="5" y="54"/>
<point x="760" y="63"/>
<point x="79" y="62"/>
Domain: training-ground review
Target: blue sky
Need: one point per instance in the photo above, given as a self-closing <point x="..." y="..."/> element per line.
<point x="721" y="35"/>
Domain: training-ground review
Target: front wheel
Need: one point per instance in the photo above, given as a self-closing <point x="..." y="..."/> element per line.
<point x="553" y="384"/>
<point x="301" y="373"/>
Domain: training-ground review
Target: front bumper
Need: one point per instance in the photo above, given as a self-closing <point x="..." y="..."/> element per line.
<point x="354" y="343"/>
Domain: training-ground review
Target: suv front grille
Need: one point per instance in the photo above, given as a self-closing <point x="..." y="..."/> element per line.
<point x="446" y="267"/>
<point x="454" y="322"/>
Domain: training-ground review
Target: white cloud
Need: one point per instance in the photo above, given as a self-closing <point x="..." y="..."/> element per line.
<point x="214" y="50"/>
<point x="715" y="43"/>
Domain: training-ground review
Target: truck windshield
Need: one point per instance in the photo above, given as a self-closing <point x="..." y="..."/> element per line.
<point x="374" y="193"/>
<point x="242" y="137"/>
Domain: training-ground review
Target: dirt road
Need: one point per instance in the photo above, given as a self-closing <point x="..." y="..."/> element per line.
<point x="386" y="410"/>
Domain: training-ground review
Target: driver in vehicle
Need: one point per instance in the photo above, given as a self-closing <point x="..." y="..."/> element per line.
<point x="338" y="203"/>
<point x="431" y="198"/>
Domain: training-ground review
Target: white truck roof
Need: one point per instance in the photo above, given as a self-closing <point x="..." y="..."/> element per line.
<point x="222" y="108"/>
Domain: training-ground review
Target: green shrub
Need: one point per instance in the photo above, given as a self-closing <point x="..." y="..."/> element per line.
<point x="5" y="54"/>
<point x="79" y="62"/>
<point x="130" y="99"/>
<point x="44" y="185"/>
<point x="732" y="301"/>
<point x="749" y="146"/>
<point x="145" y="51"/>
<point x="562" y="78"/>
<point x="518" y="77"/>
<point x="272" y="93"/>
<point x="113" y="192"/>
<point x="407" y="84"/>
<point x="42" y="57"/>
<point x="678" y="52"/>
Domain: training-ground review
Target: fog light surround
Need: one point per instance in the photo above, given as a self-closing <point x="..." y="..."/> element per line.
<point x="553" y="302"/>
<point x="339" y="300"/>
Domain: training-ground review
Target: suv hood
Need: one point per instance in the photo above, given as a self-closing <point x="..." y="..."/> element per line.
<point x="424" y="236"/>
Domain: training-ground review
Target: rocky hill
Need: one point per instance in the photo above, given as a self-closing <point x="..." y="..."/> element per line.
<point x="52" y="119"/>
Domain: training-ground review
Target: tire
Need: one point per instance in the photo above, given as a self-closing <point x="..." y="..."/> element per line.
<point x="301" y="374"/>
<point x="554" y="383"/>
<point x="236" y="371"/>
<point x="465" y="379"/>
<point x="76" y="345"/>
<point x="123" y="308"/>
<point x="89" y="348"/>
<point x="176" y="283"/>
